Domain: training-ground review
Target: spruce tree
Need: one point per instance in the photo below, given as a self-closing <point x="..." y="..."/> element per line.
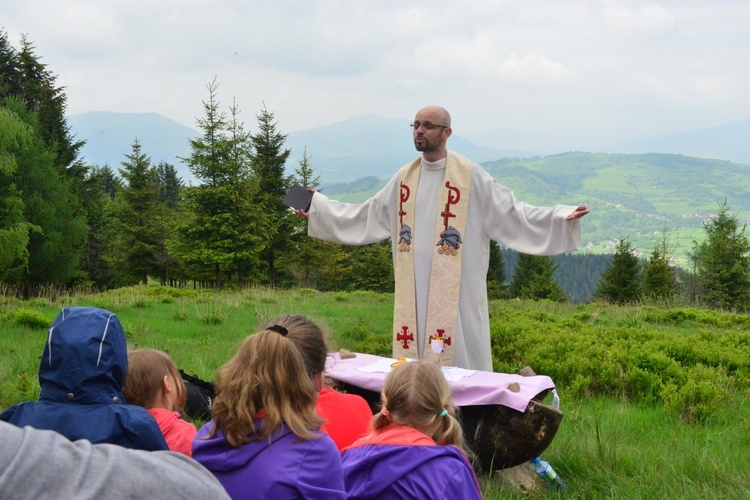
<point x="56" y="243"/>
<point x="101" y="254"/>
<point x="140" y="215"/>
<point x="15" y="229"/>
<point x="372" y="267"/>
<point x="268" y="163"/>
<point x="620" y="283"/>
<point x="170" y="185"/>
<point x="305" y="253"/>
<point x="723" y="263"/>
<point x="533" y="278"/>
<point x="48" y="102"/>
<point x="659" y="278"/>
<point x="496" y="278"/>
<point x="224" y="227"/>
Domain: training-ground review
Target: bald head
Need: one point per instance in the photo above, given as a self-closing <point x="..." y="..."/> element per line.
<point x="440" y="114"/>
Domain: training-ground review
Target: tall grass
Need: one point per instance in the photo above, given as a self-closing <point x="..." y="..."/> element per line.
<point x="615" y="440"/>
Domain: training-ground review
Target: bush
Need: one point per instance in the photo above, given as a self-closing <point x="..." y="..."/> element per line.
<point x="30" y="319"/>
<point x="705" y="391"/>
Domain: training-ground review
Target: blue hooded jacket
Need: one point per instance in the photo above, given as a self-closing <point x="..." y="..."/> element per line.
<point x="81" y="374"/>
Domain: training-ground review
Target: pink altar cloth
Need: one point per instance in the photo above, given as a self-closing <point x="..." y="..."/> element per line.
<point x="470" y="387"/>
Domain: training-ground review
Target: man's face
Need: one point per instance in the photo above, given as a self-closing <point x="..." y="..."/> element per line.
<point x="428" y="132"/>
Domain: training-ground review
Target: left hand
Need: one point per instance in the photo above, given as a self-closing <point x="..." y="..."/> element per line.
<point x="577" y="213"/>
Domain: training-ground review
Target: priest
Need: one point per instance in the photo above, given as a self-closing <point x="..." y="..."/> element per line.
<point x="441" y="211"/>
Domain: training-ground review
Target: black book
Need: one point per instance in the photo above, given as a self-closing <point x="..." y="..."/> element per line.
<point x="298" y="198"/>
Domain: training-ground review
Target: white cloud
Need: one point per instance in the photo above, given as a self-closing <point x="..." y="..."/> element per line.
<point x="534" y="70"/>
<point x="647" y="18"/>
<point x="564" y="68"/>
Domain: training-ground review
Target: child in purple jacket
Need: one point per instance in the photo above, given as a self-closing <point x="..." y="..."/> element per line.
<point x="263" y="440"/>
<point x="414" y="449"/>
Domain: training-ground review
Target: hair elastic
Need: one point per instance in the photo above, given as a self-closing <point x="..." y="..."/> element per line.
<point x="278" y="329"/>
<point x="444" y="412"/>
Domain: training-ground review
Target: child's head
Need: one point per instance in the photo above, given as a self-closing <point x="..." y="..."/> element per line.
<point x="309" y="339"/>
<point x="267" y="373"/>
<point x="416" y="394"/>
<point x="153" y="380"/>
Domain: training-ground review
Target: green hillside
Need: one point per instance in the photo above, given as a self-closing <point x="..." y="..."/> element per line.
<point x="630" y="195"/>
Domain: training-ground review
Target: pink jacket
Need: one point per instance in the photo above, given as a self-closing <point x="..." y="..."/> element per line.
<point x="177" y="432"/>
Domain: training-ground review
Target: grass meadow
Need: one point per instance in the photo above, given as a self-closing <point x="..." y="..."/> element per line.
<point x="656" y="400"/>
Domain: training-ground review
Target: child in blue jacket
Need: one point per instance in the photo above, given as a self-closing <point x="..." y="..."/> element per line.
<point x="81" y="373"/>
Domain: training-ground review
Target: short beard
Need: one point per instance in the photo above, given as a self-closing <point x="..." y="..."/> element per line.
<point x="425" y="148"/>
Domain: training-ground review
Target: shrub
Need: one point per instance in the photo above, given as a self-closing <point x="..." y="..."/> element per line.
<point x="31" y="319"/>
<point x="705" y="392"/>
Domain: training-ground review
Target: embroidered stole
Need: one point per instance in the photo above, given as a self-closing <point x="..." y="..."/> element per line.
<point x="445" y="274"/>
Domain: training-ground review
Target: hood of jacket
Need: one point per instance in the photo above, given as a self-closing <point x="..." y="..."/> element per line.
<point x="217" y="455"/>
<point x="85" y="358"/>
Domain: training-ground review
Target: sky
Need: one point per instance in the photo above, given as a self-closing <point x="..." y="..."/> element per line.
<point x="543" y="74"/>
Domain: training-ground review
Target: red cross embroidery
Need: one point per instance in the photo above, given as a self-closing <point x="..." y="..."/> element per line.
<point x="454" y="194"/>
<point x="405" y="336"/>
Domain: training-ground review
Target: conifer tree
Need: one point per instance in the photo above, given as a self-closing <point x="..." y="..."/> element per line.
<point x="100" y="254"/>
<point x="56" y="243"/>
<point x="496" y="278"/>
<point x="140" y="215"/>
<point x="620" y="283"/>
<point x="47" y="174"/>
<point x="723" y="263"/>
<point x="372" y="267"/>
<point x="15" y="229"/>
<point x="170" y="185"/>
<point x="48" y="102"/>
<point x="224" y="228"/>
<point x="659" y="278"/>
<point x="305" y="253"/>
<point x="268" y="163"/>
<point x="533" y="278"/>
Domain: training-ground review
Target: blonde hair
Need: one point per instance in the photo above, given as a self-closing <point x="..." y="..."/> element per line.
<point x="309" y="339"/>
<point x="415" y="394"/>
<point x="144" y="378"/>
<point x="267" y="373"/>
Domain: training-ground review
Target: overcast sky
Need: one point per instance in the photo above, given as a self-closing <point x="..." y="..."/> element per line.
<point x="567" y="73"/>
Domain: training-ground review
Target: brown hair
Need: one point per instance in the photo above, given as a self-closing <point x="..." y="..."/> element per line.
<point x="143" y="381"/>
<point x="415" y="394"/>
<point x="309" y="339"/>
<point x="267" y="373"/>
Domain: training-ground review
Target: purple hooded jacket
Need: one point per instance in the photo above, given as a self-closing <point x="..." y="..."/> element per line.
<point x="401" y="462"/>
<point x="287" y="467"/>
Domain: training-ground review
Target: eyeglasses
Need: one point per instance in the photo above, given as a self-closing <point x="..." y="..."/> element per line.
<point x="426" y="125"/>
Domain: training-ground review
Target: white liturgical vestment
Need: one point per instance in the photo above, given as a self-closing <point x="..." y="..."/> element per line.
<point x="494" y="213"/>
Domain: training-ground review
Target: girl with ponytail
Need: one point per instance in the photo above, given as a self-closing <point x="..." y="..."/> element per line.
<point x="263" y="440"/>
<point x="415" y="448"/>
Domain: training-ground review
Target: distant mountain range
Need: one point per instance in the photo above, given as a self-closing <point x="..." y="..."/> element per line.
<point x="635" y="190"/>
<point x="359" y="147"/>
<point x="730" y="142"/>
<point x="110" y="136"/>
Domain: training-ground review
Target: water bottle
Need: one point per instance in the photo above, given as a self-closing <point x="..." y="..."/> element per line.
<point x="546" y="472"/>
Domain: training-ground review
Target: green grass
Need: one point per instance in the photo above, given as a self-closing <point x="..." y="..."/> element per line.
<point x="605" y="449"/>
<point x="656" y="400"/>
